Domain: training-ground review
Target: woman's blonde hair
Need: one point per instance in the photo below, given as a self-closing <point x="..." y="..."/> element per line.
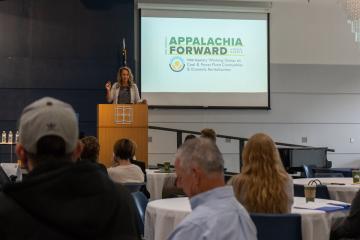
<point x="261" y="185"/>
<point x="131" y="76"/>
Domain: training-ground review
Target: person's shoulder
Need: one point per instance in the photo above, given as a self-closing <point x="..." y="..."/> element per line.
<point x="188" y="229"/>
<point x="134" y="166"/>
<point x="116" y="85"/>
<point x="6" y="203"/>
<point x="134" y="86"/>
<point x="10" y="211"/>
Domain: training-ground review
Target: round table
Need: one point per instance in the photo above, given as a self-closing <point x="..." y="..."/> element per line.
<point x="155" y="182"/>
<point x="340" y="189"/>
<point x="162" y="217"/>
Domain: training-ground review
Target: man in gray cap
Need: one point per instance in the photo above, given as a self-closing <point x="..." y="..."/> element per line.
<point x="216" y="214"/>
<point x="61" y="198"/>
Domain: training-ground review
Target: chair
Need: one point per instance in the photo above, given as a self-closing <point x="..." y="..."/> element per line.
<point x="133" y="187"/>
<point x="277" y="226"/>
<point x="308" y="171"/>
<point x="140" y="203"/>
<point x="321" y="191"/>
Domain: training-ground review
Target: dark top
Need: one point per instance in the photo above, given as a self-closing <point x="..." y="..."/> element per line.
<point x="124" y="95"/>
<point x="141" y="164"/>
<point x="67" y="201"/>
<point x="349" y="227"/>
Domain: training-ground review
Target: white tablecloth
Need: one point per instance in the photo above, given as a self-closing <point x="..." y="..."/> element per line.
<point x="12" y="169"/>
<point x="343" y="193"/>
<point x="162" y="216"/>
<point x="155" y="183"/>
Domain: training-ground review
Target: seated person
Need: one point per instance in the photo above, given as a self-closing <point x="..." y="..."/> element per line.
<point x="170" y="189"/>
<point x="348" y="228"/>
<point x="216" y="214"/>
<point x="122" y="170"/>
<point x="61" y="198"/>
<point x="188" y="137"/>
<point x="133" y="160"/>
<point x="208" y="133"/>
<point x="91" y="149"/>
<point x="263" y="186"/>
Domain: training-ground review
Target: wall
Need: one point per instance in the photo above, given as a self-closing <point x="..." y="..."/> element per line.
<point x="315" y="89"/>
<point x="60" y="48"/>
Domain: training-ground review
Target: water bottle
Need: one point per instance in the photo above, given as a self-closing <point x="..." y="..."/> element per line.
<point x="10" y="137"/>
<point x="3" y="137"/>
<point x="17" y="136"/>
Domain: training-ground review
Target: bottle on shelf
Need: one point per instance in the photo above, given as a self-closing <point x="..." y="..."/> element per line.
<point x="10" y="137"/>
<point x="17" y="136"/>
<point x="3" y="137"/>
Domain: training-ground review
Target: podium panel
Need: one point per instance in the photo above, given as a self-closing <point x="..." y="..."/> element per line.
<point x="116" y="121"/>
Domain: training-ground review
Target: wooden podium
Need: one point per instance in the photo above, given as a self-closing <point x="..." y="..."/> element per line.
<point x="116" y="121"/>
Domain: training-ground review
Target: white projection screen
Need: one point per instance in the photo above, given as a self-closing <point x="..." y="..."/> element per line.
<point x="204" y="59"/>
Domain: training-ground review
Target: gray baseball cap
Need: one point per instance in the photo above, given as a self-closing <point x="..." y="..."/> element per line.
<point x="48" y="116"/>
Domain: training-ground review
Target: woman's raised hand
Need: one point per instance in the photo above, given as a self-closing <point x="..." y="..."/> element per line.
<point x="108" y="85"/>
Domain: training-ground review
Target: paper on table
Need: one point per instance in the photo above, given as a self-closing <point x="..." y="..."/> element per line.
<point x="327" y="207"/>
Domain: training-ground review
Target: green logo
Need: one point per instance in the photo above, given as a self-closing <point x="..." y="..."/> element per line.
<point x="177" y="64"/>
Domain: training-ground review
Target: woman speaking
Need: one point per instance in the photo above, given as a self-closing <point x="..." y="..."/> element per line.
<point x="124" y="91"/>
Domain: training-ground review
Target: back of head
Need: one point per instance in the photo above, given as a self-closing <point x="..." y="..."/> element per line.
<point x="262" y="177"/>
<point x="260" y="153"/>
<point x="203" y="153"/>
<point x="188" y="137"/>
<point x="48" y="129"/>
<point x="124" y="149"/>
<point x="208" y="133"/>
<point x="91" y="149"/>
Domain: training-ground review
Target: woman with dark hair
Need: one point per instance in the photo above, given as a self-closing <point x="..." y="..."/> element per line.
<point x="263" y="186"/>
<point x="188" y="137"/>
<point x="122" y="170"/>
<point x="91" y="149"/>
<point x="124" y="91"/>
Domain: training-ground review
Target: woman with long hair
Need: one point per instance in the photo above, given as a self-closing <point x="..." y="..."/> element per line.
<point x="124" y="91"/>
<point x="263" y="186"/>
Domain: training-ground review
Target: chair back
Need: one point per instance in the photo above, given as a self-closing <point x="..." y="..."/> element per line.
<point x="277" y="226"/>
<point x="140" y="203"/>
<point x="308" y="171"/>
<point x="133" y="187"/>
<point x="321" y="191"/>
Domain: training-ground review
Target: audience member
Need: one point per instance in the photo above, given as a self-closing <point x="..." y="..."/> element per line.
<point x="348" y="228"/>
<point x="133" y="160"/>
<point x="123" y="171"/>
<point x="170" y="188"/>
<point x="91" y="149"/>
<point x="188" y="137"/>
<point x="216" y="212"/>
<point x="263" y="186"/>
<point x="57" y="199"/>
<point x="208" y="133"/>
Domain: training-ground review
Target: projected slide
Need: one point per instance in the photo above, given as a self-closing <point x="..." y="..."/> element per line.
<point x="204" y="62"/>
